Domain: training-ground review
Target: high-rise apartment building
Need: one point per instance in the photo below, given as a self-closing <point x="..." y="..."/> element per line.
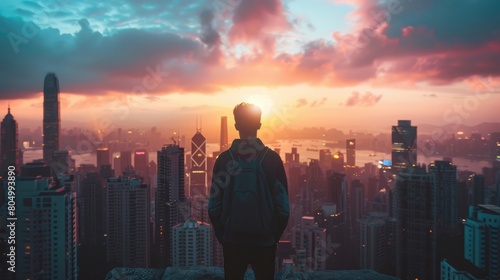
<point x="46" y="229"/>
<point x="482" y="239"/>
<point x="192" y="244"/>
<point x="445" y="196"/>
<point x="414" y="210"/>
<point x="377" y="241"/>
<point x="127" y="222"/>
<point x="310" y="244"/>
<point x="170" y="200"/>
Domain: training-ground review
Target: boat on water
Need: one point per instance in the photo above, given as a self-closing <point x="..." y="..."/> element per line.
<point x="372" y="155"/>
<point x="297" y="145"/>
<point x="312" y="149"/>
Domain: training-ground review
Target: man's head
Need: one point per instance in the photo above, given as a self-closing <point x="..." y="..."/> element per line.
<point x="247" y="119"/>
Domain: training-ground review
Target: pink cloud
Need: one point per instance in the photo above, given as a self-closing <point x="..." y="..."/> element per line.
<point x="368" y="99"/>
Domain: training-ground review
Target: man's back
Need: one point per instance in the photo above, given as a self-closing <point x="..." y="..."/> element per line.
<point x="244" y="178"/>
<point x="227" y="168"/>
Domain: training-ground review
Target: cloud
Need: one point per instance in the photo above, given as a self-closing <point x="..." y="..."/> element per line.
<point x="318" y="103"/>
<point x="256" y="22"/>
<point x="368" y="99"/>
<point x="412" y="42"/>
<point x="300" y="102"/>
<point x="162" y="47"/>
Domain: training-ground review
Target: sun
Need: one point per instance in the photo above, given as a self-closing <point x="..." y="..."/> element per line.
<point x="264" y="102"/>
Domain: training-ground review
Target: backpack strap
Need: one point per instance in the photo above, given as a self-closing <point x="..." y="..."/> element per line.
<point x="264" y="155"/>
<point x="232" y="155"/>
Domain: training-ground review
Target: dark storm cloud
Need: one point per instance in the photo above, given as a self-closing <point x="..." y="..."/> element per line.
<point x="86" y="62"/>
<point x="209" y="35"/>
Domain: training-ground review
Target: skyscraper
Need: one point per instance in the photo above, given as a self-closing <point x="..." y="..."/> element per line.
<point x="91" y="252"/>
<point x="337" y="191"/>
<point x="223" y="134"/>
<point x="338" y="162"/>
<point x="141" y="164"/>
<point x="10" y="154"/>
<point x="51" y="117"/>
<point x="192" y="244"/>
<point x="478" y="189"/>
<point x="127" y="222"/>
<point x="445" y="195"/>
<point x="416" y="225"/>
<point x="357" y="202"/>
<point x="102" y="157"/>
<point x="350" y="152"/>
<point x="198" y="178"/>
<point x="404" y="145"/>
<point x="126" y="161"/>
<point x="46" y="229"/>
<point x="170" y="200"/>
<point x="325" y="159"/>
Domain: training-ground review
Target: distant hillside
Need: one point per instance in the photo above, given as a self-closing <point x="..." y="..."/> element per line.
<point x="483" y="128"/>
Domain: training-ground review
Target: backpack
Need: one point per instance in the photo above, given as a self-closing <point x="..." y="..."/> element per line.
<point x="250" y="212"/>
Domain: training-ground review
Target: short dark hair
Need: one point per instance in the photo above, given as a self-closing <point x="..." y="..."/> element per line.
<point x="247" y="116"/>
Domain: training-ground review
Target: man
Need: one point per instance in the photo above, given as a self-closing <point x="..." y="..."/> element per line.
<point x="248" y="204"/>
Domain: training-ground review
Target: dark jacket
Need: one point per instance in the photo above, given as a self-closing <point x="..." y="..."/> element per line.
<point x="224" y="169"/>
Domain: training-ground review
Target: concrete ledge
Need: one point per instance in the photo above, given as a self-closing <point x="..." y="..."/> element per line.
<point x="217" y="273"/>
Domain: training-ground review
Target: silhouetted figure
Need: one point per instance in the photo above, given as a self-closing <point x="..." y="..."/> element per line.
<point x="248" y="204"/>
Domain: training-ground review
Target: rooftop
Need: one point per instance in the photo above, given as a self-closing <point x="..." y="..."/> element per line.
<point x="216" y="273"/>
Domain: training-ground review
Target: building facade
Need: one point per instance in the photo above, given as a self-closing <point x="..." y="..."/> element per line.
<point x="192" y="244"/>
<point x="46" y="228"/>
<point x="170" y="200"/>
<point x="127" y="222"/>
<point x="413" y="208"/>
<point x="310" y="244"/>
<point x="482" y="238"/>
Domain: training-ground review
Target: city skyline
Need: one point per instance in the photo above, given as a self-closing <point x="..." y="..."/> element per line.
<point x="298" y="56"/>
<point x="119" y="116"/>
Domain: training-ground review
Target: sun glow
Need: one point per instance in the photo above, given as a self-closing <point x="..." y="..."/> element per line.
<point x="264" y="102"/>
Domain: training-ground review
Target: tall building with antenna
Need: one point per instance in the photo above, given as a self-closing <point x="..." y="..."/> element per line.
<point x="51" y="117"/>
<point x="223" y="134"/>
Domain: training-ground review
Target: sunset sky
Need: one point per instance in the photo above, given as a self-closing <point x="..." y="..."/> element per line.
<point x="359" y="65"/>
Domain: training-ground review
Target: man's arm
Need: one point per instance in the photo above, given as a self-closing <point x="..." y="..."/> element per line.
<point x="280" y="197"/>
<point x="216" y="199"/>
